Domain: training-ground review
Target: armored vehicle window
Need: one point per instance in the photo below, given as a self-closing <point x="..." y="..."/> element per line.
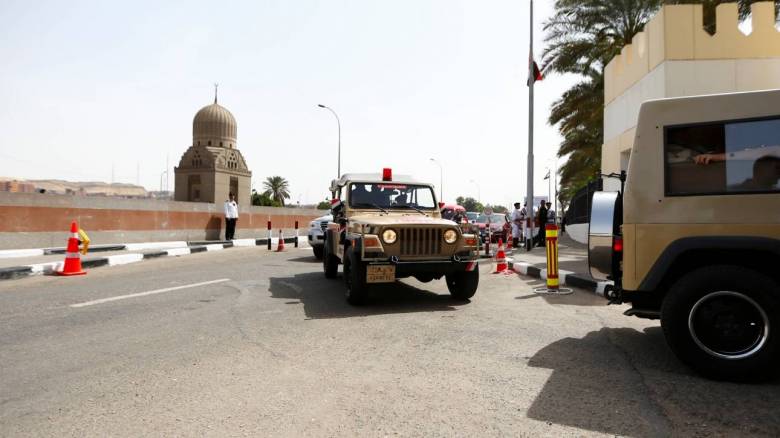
<point x="390" y="195"/>
<point x="723" y="158"/>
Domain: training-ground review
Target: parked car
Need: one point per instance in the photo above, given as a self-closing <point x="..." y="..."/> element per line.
<point x="499" y="226"/>
<point x="317" y="229"/>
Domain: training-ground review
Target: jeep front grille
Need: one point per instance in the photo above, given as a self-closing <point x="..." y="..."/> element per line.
<point x="420" y="241"/>
<point x="324" y="225"/>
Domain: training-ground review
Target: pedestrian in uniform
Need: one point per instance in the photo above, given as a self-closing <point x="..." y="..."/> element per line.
<point x="542" y="216"/>
<point x="550" y="214"/>
<point x="231" y="216"/>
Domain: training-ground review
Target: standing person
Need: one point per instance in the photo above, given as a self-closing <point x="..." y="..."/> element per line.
<point x="231" y="216"/>
<point x="517" y="225"/>
<point x="550" y="213"/>
<point x="542" y="216"/>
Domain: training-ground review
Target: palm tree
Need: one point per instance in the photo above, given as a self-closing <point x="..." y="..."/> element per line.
<point x="582" y="37"/>
<point x="277" y="188"/>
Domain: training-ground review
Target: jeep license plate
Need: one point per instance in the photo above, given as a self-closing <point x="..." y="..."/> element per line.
<point x="380" y="274"/>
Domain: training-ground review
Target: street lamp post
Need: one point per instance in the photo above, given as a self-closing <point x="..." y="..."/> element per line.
<point x="338" y="122"/>
<point x="441" y="180"/>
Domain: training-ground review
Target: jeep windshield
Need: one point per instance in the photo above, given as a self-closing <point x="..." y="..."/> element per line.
<point x="389" y="195"/>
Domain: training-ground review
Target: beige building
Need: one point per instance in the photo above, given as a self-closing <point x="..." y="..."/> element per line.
<point x="675" y="56"/>
<point x="213" y="167"/>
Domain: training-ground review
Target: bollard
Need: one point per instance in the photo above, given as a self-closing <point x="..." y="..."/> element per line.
<point x="551" y="245"/>
<point x="269" y="235"/>
<point x="296" y="234"/>
<point x="551" y="234"/>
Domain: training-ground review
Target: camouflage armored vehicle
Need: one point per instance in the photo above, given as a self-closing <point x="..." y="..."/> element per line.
<point x="694" y="236"/>
<point x="387" y="228"/>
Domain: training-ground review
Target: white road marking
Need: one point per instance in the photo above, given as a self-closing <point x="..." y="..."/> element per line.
<point x="143" y="294"/>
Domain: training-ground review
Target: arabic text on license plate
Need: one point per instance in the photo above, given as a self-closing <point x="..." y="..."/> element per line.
<point x="380" y="274"/>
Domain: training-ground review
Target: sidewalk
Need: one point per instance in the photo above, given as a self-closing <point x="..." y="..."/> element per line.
<point x="572" y="265"/>
<point x="17" y="267"/>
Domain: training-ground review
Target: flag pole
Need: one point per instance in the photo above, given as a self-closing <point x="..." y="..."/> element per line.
<point x="531" y="80"/>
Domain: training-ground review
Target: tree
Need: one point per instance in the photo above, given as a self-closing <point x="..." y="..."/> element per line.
<point x="582" y="37"/>
<point x="324" y="205"/>
<point x="263" y="200"/>
<point x="470" y="204"/>
<point x="277" y="188"/>
<point x="498" y="208"/>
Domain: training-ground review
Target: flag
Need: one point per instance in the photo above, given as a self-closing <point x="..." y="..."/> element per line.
<point x="548" y="175"/>
<point x="534" y="73"/>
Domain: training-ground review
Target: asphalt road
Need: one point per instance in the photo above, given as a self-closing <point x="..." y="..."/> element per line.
<point x="265" y="345"/>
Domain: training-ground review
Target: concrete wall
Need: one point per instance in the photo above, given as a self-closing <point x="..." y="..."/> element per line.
<point x="42" y="220"/>
<point x="675" y="57"/>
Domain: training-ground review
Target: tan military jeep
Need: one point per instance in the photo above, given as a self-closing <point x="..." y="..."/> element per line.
<point x="387" y="228"/>
<point x="694" y="237"/>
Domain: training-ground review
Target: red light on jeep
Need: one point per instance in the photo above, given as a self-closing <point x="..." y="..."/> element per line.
<point x="617" y="244"/>
<point x="387" y="174"/>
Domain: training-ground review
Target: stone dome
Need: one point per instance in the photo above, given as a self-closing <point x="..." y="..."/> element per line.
<point x="214" y="125"/>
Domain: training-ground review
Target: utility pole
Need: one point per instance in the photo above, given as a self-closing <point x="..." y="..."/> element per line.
<point x="531" y="80"/>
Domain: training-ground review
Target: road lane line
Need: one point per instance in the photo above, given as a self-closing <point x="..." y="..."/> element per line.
<point x="143" y="294"/>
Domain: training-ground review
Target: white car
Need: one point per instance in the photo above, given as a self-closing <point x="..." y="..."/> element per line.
<point x="317" y="234"/>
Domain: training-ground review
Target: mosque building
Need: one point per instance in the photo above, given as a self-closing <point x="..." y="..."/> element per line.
<point x="213" y="166"/>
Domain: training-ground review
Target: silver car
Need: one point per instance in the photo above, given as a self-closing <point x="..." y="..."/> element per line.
<point x="317" y="234"/>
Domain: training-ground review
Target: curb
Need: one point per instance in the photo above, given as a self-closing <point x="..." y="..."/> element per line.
<point x="16" y="272"/>
<point x="568" y="278"/>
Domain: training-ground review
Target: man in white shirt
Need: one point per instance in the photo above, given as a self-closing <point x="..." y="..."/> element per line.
<point x="517" y="224"/>
<point x="231" y="216"/>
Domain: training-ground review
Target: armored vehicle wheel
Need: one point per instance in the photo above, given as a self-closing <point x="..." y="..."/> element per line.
<point x="330" y="264"/>
<point x="319" y="251"/>
<point x="355" y="278"/>
<point x="724" y="322"/>
<point x="463" y="285"/>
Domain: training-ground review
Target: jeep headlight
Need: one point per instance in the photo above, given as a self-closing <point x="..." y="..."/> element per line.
<point x="312" y="224"/>
<point x="389" y="236"/>
<point x="450" y="236"/>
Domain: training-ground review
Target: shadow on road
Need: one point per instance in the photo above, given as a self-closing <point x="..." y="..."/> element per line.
<point x="324" y="299"/>
<point x="305" y="259"/>
<point x="625" y="382"/>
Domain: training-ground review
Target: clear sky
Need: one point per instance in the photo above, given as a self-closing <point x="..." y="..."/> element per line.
<point x="89" y="86"/>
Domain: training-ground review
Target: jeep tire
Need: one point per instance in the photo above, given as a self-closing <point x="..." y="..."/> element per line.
<point x="463" y="284"/>
<point x="355" y="278"/>
<point x="724" y="322"/>
<point x="330" y="264"/>
<point x="319" y="251"/>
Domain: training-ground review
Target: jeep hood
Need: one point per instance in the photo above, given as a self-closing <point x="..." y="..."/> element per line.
<point x="399" y="219"/>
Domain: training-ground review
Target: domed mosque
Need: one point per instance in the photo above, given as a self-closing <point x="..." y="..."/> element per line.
<point x="213" y="167"/>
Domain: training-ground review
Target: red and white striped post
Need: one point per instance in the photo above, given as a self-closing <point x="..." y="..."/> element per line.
<point x="296" y="234"/>
<point x="269" y="235"/>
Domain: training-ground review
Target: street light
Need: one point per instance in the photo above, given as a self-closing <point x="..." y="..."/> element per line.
<point x="338" y="122"/>
<point x="479" y="191"/>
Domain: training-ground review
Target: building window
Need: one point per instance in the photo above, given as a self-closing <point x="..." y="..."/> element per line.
<point x="198" y="142"/>
<point x="209" y="142"/>
<point x="723" y="158"/>
<point x="220" y="144"/>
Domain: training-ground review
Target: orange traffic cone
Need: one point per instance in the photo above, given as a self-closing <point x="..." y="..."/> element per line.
<point x="72" y="255"/>
<point x="501" y="264"/>
<point x="280" y="246"/>
<point x="509" y="240"/>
